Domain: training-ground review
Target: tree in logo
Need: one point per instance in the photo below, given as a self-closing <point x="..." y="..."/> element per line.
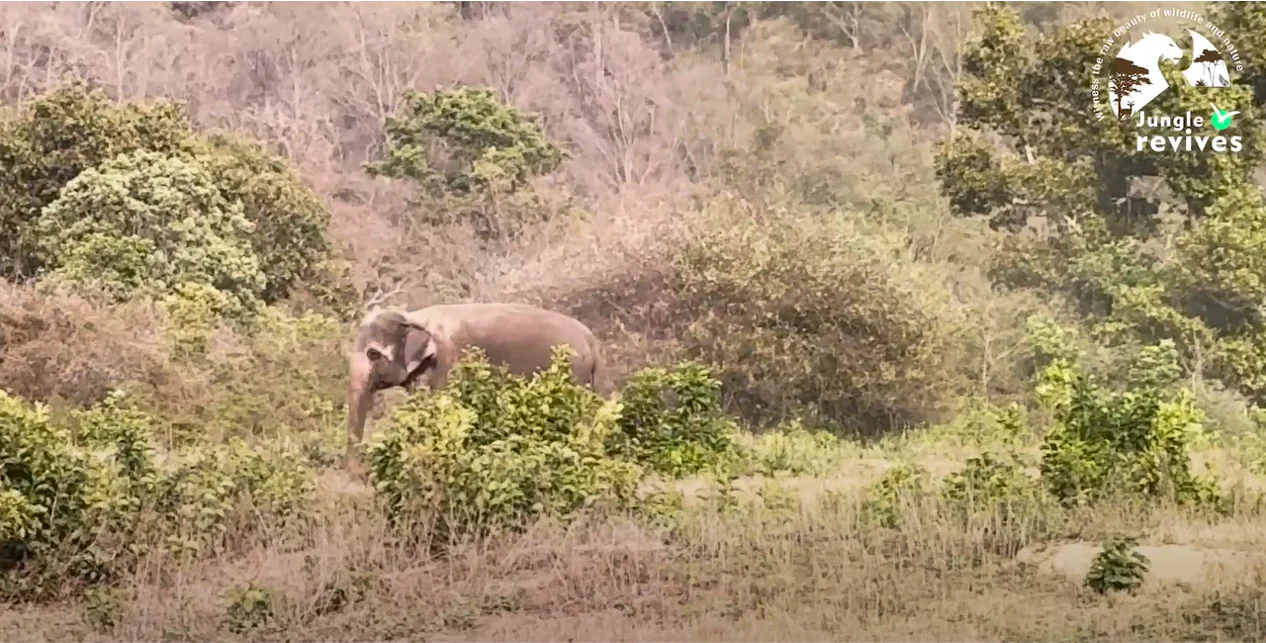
<point x="1210" y="58"/>
<point x="1124" y="78"/>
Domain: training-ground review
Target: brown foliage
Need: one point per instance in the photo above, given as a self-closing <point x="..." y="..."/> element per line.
<point x="63" y="347"/>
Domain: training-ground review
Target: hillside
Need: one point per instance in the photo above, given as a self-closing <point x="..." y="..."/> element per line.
<point x="905" y="342"/>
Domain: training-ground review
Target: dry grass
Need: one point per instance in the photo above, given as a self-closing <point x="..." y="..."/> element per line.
<point x="63" y="347"/>
<point x="797" y="564"/>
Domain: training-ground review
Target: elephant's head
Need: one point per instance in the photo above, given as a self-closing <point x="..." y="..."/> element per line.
<point x="390" y="350"/>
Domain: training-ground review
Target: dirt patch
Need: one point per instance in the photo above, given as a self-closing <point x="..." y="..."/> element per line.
<point x="1167" y="564"/>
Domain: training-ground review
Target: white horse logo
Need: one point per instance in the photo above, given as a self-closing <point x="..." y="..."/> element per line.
<point x="1135" y="78"/>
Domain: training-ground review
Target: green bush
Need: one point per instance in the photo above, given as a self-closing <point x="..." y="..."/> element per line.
<point x="72" y="155"/>
<point x="989" y="479"/>
<point x="151" y="223"/>
<point x="795" y="450"/>
<point x="203" y="492"/>
<point x="1117" y="567"/>
<point x="487" y="142"/>
<point x="814" y="317"/>
<point x="82" y="496"/>
<point x="494" y="451"/>
<point x="289" y="219"/>
<point x="1133" y="441"/>
<point x="996" y="489"/>
<point x="473" y="158"/>
<point x="886" y="499"/>
<point x="58" y="135"/>
<point x="671" y="422"/>
<point x="69" y="504"/>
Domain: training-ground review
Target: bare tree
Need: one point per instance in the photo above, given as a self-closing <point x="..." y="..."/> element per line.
<point x="614" y="81"/>
<point x="914" y="21"/>
<point x="951" y="24"/>
<point x="848" y="17"/>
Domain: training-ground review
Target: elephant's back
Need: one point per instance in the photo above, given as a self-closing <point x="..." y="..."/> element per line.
<point x="518" y="335"/>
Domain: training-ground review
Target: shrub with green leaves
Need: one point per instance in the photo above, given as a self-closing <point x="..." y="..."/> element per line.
<point x="289" y="221"/>
<point x="69" y="503"/>
<point x="145" y="222"/>
<point x="991" y="482"/>
<point x="1117" y="567"/>
<point x="886" y="498"/>
<point x="671" y="421"/>
<point x="200" y="491"/>
<point x="814" y="317"/>
<point x="1132" y="441"/>
<point x="82" y="496"/>
<point x="471" y="155"/>
<point x="494" y="451"/>
<point x="796" y="451"/>
<point x="191" y="204"/>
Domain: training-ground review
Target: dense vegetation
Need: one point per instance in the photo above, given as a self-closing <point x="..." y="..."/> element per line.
<point x="887" y="309"/>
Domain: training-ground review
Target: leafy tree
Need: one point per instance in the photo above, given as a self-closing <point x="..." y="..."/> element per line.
<point x="1139" y="269"/>
<point x="59" y="135"/>
<point x="1209" y="58"/>
<point x="73" y="129"/>
<point x="150" y="223"/>
<point x="467" y="150"/>
<point x="290" y="222"/>
<point x="1125" y="77"/>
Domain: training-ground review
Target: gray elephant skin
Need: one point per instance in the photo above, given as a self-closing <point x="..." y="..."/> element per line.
<point x="420" y="347"/>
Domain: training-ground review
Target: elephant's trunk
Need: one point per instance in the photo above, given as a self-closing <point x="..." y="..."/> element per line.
<point x="359" y="398"/>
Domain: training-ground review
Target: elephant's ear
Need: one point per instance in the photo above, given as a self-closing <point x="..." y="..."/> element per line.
<point x="419" y="346"/>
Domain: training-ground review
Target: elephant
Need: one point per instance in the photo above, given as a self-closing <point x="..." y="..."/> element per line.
<point x="406" y="349"/>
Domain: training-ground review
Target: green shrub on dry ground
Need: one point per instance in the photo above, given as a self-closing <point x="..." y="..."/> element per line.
<point x="473" y="158"/>
<point x="814" y="317"/>
<point x="1133" y="440"/>
<point x="129" y="197"/>
<point x="82" y="497"/>
<point x="670" y="421"/>
<point x="494" y="451"/>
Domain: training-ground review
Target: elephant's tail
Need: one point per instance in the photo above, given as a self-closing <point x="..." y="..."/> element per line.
<point x="597" y="377"/>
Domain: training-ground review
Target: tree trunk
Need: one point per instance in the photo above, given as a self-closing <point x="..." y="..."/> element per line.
<point x="725" y="52"/>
